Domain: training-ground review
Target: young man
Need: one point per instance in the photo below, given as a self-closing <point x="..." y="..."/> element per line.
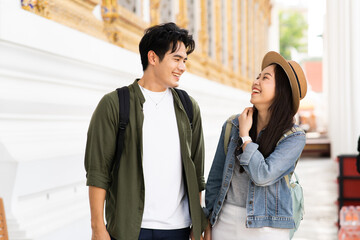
<point x="154" y="193"/>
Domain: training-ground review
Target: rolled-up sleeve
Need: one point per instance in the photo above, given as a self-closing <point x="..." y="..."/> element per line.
<point x="101" y="143"/>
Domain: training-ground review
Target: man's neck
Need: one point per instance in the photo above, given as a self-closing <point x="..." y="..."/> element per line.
<point x="148" y="82"/>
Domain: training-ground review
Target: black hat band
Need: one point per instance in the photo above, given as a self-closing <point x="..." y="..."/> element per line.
<point x="297" y="80"/>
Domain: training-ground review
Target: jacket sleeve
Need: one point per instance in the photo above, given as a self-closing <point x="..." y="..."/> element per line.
<point x="264" y="172"/>
<point x="214" y="179"/>
<point x="197" y="146"/>
<point x="101" y="143"/>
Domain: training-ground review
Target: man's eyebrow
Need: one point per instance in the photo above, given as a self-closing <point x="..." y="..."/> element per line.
<point x="179" y="56"/>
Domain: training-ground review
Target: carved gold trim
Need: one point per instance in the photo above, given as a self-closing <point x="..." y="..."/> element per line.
<point x="154" y="12"/>
<point x="40" y="7"/>
<point x="218" y="32"/>
<point x="122" y="27"/>
<point x="125" y="29"/>
<point x="246" y="18"/>
<point x="229" y="26"/>
<point x="203" y="32"/>
<point x="109" y="10"/>
<point x="239" y="36"/>
<point x="252" y="39"/>
<point x="182" y="19"/>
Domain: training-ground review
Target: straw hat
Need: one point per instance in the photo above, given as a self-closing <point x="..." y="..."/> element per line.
<point x="293" y="71"/>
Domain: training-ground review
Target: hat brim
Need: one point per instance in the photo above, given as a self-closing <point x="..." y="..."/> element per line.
<point x="274" y="57"/>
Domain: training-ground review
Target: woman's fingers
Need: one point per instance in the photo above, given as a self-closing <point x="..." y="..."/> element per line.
<point x="245" y="121"/>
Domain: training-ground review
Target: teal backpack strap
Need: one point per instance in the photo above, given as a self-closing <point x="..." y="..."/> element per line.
<point x="295" y="189"/>
<point x="292" y="130"/>
<point x="290" y="185"/>
<point x="228" y="131"/>
<point x="287" y="180"/>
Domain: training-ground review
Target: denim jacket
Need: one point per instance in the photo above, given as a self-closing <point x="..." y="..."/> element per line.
<point x="269" y="202"/>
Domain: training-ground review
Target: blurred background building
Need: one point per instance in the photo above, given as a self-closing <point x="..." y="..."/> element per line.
<point x="59" y="57"/>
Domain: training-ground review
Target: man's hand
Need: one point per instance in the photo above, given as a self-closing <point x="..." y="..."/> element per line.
<point x="97" y="198"/>
<point x="207" y="234"/>
<point x="100" y="234"/>
<point x="192" y="235"/>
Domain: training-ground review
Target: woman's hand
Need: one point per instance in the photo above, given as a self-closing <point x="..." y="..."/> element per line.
<point x="245" y="121"/>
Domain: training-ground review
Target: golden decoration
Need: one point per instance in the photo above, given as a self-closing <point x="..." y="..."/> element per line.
<point x="109" y="10"/>
<point x="229" y="26"/>
<point x="154" y="12"/>
<point x="218" y="32"/>
<point x="239" y="43"/>
<point x="113" y="33"/>
<point x="124" y="28"/>
<point x="203" y="32"/>
<point x="40" y="7"/>
<point x="182" y="19"/>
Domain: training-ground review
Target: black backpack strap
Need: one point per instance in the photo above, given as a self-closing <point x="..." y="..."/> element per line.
<point x="187" y="103"/>
<point x="124" y="111"/>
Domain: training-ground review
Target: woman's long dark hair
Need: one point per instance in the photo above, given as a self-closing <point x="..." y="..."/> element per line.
<point x="281" y="118"/>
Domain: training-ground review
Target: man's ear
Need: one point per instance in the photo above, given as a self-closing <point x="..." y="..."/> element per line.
<point x="152" y="57"/>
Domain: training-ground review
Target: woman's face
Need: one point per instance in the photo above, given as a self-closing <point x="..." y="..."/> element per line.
<point x="263" y="89"/>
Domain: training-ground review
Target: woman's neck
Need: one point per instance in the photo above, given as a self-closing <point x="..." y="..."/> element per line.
<point x="263" y="118"/>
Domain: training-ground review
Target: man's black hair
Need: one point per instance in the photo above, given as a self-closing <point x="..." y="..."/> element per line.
<point x="160" y="38"/>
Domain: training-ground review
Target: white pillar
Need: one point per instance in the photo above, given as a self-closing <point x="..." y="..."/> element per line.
<point x="341" y="59"/>
<point x="355" y="62"/>
<point x="273" y="31"/>
<point x="146" y="10"/>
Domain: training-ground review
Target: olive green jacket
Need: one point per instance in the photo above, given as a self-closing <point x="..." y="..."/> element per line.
<point x="125" y="185"/>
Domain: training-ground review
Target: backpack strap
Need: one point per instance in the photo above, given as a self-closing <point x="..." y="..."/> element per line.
<point x="292" y="130"/>
<point x="187" y="103"/>
<point x="228" y="131"/>
<point x="288" y="180"/>
<point x="124" y="111"/>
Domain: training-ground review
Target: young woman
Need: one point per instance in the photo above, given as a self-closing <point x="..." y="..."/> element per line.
<point x="247" y="196"/>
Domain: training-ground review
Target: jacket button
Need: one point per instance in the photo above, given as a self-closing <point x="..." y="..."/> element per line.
<point x="250" y="222"/>
<point x="230" y="165"/>
<point x="251" y="202"/>
<point x="225" y="184"/>
<point x="219" y="202"/>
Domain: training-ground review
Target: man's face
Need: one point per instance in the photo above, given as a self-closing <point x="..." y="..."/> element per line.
<point x="169" y="69"/>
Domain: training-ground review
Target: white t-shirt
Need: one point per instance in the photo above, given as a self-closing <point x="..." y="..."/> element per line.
<point x="166" y="201"/>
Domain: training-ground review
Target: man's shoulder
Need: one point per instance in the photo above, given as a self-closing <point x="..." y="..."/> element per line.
<point x="193" y="101"/>
<point x="195" y="104"/>
<point x="110" y="97"/>
<point x="112" y="94"/>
